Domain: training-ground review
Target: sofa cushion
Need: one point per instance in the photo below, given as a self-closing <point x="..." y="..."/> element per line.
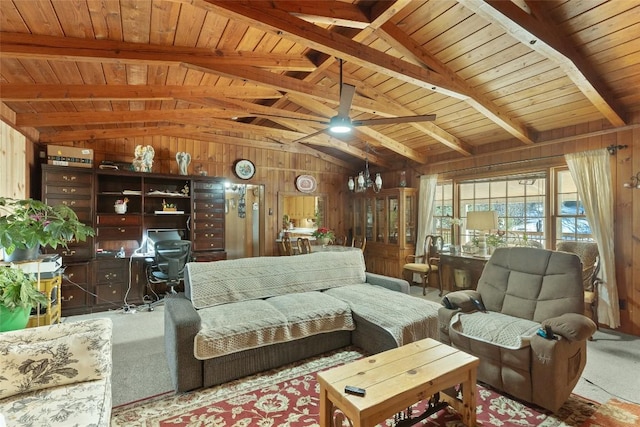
<point x="407" y="319"/>
<point x="213" y="283"/>
<point x="495" y="328"/>
<point x="244" y="325"/>
<point x="50" y="356"/>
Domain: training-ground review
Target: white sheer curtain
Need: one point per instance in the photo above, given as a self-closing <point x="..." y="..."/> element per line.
<point x="591" y="172"/>
<point x="426" y="200"/>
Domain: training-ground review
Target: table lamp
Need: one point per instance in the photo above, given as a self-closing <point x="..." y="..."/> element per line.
<point x="482" y="221"/>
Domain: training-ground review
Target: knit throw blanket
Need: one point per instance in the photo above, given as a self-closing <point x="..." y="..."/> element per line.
<point x="221" y="282"/>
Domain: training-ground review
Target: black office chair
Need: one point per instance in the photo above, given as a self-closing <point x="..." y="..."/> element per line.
<point x="171" y="257"/>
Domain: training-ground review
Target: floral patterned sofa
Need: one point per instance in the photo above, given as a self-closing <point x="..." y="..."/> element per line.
<point x="57" y="375"/>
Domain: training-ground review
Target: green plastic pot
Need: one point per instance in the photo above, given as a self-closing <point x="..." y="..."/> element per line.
<point x="13" y="320"/>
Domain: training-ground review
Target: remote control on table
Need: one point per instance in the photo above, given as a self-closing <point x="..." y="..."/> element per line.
<point x="357" y="391"/>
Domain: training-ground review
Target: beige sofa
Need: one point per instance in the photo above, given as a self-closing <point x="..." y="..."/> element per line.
<point x="523" y="290"/>
<point x="58" y="375"/>
<point x="243" y="316"/>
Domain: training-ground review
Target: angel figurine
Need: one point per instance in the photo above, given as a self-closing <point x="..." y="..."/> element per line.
<point x="143" y="161"/>
<point x="183" y="160"/>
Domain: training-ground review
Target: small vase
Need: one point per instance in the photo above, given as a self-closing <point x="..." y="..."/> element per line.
<point x="23" y="254"/>
<point x="324" y="241"/>
<point x="13" y="320"/>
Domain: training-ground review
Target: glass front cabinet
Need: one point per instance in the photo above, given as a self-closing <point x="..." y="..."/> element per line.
<point x="388" y="220"/>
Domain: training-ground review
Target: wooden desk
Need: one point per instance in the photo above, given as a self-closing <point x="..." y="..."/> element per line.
<point x="470" y="266"/>
<point x="396" y="379"/>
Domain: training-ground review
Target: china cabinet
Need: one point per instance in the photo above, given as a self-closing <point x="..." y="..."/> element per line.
<point x="388" y="221"/>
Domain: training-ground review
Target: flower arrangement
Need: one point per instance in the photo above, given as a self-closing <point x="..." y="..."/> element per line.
<point x="27" y="223"/>
<point x="322" y="232"/>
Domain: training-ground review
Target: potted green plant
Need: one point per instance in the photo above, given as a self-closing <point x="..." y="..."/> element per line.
<point x="27" y="224"/>
<point x="18" y="294"/>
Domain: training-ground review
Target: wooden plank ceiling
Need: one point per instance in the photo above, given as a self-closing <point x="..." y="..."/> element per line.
<point x="495" y="73"/>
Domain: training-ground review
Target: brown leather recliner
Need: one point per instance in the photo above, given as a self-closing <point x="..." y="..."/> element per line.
<point x="521" y="291"/>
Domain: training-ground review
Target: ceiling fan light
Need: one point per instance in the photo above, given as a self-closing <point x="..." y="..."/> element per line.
<point x="339" y="124"/>
<point x="351" y="184"/>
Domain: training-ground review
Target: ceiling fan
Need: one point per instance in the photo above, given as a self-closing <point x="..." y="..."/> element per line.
<point x="342" y="123"/>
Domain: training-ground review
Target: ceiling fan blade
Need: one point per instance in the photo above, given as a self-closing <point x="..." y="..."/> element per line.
<point x="310" y="135"/>
<point x="346" y="97"/>
<point x="394" y="120"/>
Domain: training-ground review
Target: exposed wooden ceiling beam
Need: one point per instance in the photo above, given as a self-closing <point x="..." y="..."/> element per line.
<point x="402" y="42"/>
<point x="55" y="92"/>
<point x="21" y="45"/>
<point x="429" y="128"/>
<point x="537" y="33"/>
<point x="264" y="16"/>
<point x="327" y="13"/>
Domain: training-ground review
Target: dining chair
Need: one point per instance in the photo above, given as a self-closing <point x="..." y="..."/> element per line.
<point x="304" y="245"/>
<point x="285" y="246"/>
<point x="590" y="259"/>
<point x="427" y="263"/>
<point x="340" y="240"/>
<point x="359" y="242"/>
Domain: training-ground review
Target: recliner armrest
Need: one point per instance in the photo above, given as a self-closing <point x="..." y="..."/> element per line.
<point x="461" y="300"/>
<point x="572" y="326"/>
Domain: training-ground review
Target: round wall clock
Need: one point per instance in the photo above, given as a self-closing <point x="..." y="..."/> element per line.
<point x="244" y="169"/>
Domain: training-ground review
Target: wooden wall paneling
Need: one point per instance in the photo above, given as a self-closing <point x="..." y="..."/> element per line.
<point x="633" y="258"/>
<point x="13" y="161"/>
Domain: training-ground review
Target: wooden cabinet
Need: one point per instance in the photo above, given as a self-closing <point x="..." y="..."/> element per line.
<point x="460" y="271"/>
<point x="98" y="283"/>
<point x="72" y="187"/>
<point x="76" y="288"/>
<point x="208" y="218"/>
<point x="387" y="220"/>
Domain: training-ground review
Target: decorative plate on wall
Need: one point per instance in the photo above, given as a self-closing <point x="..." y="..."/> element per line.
<point x="306" y="184"/>
<point x="245" y="169"/>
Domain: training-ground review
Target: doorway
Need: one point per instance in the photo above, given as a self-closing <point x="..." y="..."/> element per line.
<point x="242" y="210"/>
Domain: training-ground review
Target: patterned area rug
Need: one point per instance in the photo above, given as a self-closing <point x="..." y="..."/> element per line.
<point x="289" y="397"/>
<point x="615" y="413"/>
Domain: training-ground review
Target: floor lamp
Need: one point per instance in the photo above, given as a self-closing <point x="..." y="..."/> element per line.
<point x="482" y="221"/>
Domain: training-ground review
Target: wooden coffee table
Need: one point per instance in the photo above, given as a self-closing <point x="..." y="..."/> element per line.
<point x="396" y="379"/>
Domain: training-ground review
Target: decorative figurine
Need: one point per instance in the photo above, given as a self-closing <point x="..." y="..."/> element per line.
<point x="183" y="160"/>
<point x="143" y="160"/>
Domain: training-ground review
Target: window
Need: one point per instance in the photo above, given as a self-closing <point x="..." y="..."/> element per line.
<point x="519" y="201"/>
<point x="570" y="221"/>
<point x="443" y="211"/>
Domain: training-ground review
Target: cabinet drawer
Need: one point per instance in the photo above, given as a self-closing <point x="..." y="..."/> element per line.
<point x="110" y="271"/>
<point x="77" y="273"/>
<point x="115" y="219"/>
<point x="209" y="256"/>
<point x="68" y="176"/>
<point x="67" y="200"/>
<point x="67" y="190"/>
<point x="208" y="244"/>
<point x="208" y="185"/>
<point x="119" y="233"/>
<point x="200" y="195"/>
<point x="208" y="216"/>
<point x="207" y="205"/>
<point x="208" y="226"/>
<point x="112" y="293"/>
<point x="73" y="296"/>
<point x="75" y="252"/>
